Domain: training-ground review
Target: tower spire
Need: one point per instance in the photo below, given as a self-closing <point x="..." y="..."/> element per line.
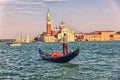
<point x="48" y="10"/>
<point x="48" y="17"/>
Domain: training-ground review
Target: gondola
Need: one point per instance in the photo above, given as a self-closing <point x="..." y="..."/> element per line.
<point x="61" y="59"/>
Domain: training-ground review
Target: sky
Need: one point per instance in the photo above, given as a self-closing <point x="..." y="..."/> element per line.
<point x="28" y="17"/>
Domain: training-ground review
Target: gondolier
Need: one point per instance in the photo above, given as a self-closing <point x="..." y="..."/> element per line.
<point x="65" y="44"/>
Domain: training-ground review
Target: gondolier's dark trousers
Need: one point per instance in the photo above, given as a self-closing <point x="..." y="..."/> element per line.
<point x="65" y="48"/>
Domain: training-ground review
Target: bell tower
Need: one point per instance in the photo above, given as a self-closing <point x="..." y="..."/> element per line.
<point x="48" y="24"/>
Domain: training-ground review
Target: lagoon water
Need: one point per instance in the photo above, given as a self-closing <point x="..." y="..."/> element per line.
<point x="96" y="61"/>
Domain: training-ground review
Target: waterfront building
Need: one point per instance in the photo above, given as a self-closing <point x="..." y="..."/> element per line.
<point x="118" y="32"/>
<point x="69" y="32"/>
<point x="92" y="37"/>
<point x="105" y="35"/>
<point x="49" y="38"/>
<point x="115" y="37"/>
<point x="98" y="36"/>
<point x="19" y="38"/>
<point x="79" y="36"/>
<point x="38" y="38"/>
<point x="54" y="32"/>
<point x="27" y="39"/>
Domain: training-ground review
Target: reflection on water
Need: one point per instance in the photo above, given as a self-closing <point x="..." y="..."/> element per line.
<point x="70" y="65"/>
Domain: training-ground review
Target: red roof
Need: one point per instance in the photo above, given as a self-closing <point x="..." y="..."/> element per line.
<point x="92" y="33"/>
<point x="104" y="31"/>
<point x="116" y="34"/>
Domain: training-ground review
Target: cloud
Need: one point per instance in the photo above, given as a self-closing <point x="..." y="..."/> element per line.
<point x="32" y="12"/>
<point x="2" y="6"/>
<point x="107" y="11"/>
<point x="27" y="2"/>
<point x="54" y="0"/>
<point x="22" y="6"/>
<point x="5" y="1"/>
<point x="21" y="2"/>
<point x="24" y="2"/>
<point x="25" y="6"/>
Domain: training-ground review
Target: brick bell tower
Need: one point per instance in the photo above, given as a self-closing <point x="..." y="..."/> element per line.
<point x="48" y="24"/>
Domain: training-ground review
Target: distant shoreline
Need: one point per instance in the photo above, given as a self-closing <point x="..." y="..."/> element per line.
<point x="7" y="40"/>
<point x="12" y="40"/>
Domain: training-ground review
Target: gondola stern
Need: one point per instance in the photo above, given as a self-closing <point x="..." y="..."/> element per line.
<point x="40" y="51"/>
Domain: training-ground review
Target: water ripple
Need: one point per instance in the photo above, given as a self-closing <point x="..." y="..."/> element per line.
<point x="96" y="61"/>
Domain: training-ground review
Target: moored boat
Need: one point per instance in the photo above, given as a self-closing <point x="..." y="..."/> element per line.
<point x="17" y="41"/>
<point x="15" y="44"/>
<point x="59" y="59"/>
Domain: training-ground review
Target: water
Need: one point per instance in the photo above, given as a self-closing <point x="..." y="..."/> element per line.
<point x="96" y="61"/>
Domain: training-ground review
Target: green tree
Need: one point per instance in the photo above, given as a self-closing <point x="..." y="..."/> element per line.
<point x="44" y="33"/>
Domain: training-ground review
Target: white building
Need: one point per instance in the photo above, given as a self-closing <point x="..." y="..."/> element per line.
<point x="27" y="39"/>
<point x="69" y="32"/>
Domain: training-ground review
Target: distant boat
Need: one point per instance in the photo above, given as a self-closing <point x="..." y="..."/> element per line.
<point x="17" y="41"/>
<point x="60" y="59"/>
<point x="15" y="44"/>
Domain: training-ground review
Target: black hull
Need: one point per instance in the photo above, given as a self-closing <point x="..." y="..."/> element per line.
<point x="62" y="59"/>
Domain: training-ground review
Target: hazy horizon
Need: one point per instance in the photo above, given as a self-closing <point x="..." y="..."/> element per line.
<point x="28" y="17"/>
